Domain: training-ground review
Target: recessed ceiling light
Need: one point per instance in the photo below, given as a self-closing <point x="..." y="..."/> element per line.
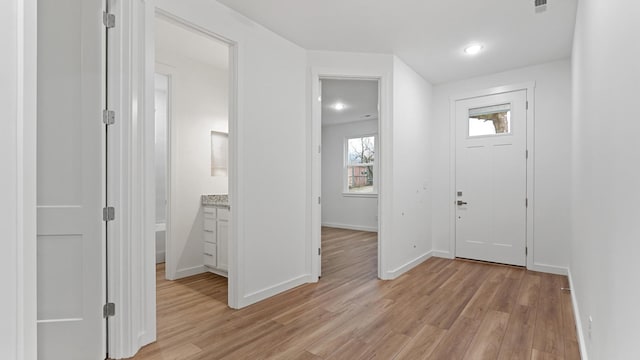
<point x="473" y="49"/>
<point x="339" y="106"/>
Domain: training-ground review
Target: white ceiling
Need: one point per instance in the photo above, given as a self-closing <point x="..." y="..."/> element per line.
<point x="360" y="98"/>
<point x="177" y="39"/>
<point x="428" y="35"/>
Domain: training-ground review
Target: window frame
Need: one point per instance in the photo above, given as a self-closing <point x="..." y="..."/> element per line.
<point x="346" y="166"/>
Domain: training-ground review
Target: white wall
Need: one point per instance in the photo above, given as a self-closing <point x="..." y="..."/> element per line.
<point x="199" y="98"/>
<point x="411" y="192"/>
<point x="268" y="199"/>
<point x="338" y="210"/>
<point x="552" y="158"/>
<point x="17" y="182"/>
<point x="381" y="64"/>
<point x="606" y="173"/>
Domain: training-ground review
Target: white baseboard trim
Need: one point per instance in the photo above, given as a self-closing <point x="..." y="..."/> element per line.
<point x="160" y="257"/>
<point x="259" y="295"/>
<point x="217" y="271"/>
<point x="390" y="275"/>
<point x="144" y="339"/>
<point x="442" y="254"/>
<point x="351" y="227"/>
<point x="183" y="273"/>
<point x="551" y="269"/>
<point x="576" y="312"/>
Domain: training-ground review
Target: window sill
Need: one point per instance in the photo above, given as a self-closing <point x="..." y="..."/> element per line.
<point x="362" y="195"/>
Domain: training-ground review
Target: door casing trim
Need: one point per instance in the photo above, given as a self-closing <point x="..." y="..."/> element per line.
<point x="385" y="89"/>
<point x="529" y="88"/>
<point x="132" y="263"/>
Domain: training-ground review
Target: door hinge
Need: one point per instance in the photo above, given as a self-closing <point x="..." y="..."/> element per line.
<point x="526" y="202"/>
<point x="318" y="200"/>
<point x="319" y="149"/>
<point x="108" y="213"/>
<point x="527" y="105"/>
<point x="526" y="251"/>
<point x="526" y="155"/>
<point x="108" y="117"/>
<point x="109" y="309"/>
<point x="109" y="20"/>
<point x="319" y="251"/>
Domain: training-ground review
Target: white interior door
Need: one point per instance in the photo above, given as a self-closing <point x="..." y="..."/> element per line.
<point x="70" y="183"/>
<point x="491" y="177"/>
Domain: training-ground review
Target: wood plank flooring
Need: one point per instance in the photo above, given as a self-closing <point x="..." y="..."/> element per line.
<point x="442" y="309"/>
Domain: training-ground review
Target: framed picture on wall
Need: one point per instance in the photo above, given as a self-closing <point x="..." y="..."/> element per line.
<point x="219" y="153"/>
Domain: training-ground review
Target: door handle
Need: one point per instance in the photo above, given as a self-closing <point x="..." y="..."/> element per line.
<point x="460" y="202"/>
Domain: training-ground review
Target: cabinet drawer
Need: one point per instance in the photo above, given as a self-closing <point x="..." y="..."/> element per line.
<point x="210" y="255"/>
<point x="223" y="214"/>
<point x="209" y="211"/>
<point x="209" y="225"/>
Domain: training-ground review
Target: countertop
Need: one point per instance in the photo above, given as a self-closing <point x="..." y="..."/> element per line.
<point x="216" y="200"/>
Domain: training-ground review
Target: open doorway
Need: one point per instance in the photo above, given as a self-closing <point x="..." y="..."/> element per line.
<point x="192" y="86"/>
<point x="349" y="190"/>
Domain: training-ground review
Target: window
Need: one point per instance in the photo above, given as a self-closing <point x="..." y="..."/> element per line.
<point x="490" y="120"/>
<point x="360" y="165"/>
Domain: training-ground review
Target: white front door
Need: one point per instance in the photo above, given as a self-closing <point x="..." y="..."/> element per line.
<point x="70" y="187"/>
<point x="491" y="176"/>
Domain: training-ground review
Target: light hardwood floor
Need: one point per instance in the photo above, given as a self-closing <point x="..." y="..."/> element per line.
<point x="442" y="309"/>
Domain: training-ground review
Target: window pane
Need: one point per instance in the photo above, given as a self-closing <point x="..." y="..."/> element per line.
<point x="361" y="150"/>
<point x="490" y="120"/>
<point x="360" y="159"/>
<point x="360" y="179"/>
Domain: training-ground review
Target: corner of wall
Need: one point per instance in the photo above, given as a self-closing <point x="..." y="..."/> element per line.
<point x="550" y="269"/>
<point x="183" y="273"/>
<point x="395" y="273"/>
<point x="276" y="289"/>
<point x="442" y="254"/>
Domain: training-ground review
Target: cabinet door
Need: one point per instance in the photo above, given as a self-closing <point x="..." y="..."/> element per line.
<point x="223" y="241"/>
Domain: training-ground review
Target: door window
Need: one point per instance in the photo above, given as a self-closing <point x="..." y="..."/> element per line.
<point x="490" y="120"/>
